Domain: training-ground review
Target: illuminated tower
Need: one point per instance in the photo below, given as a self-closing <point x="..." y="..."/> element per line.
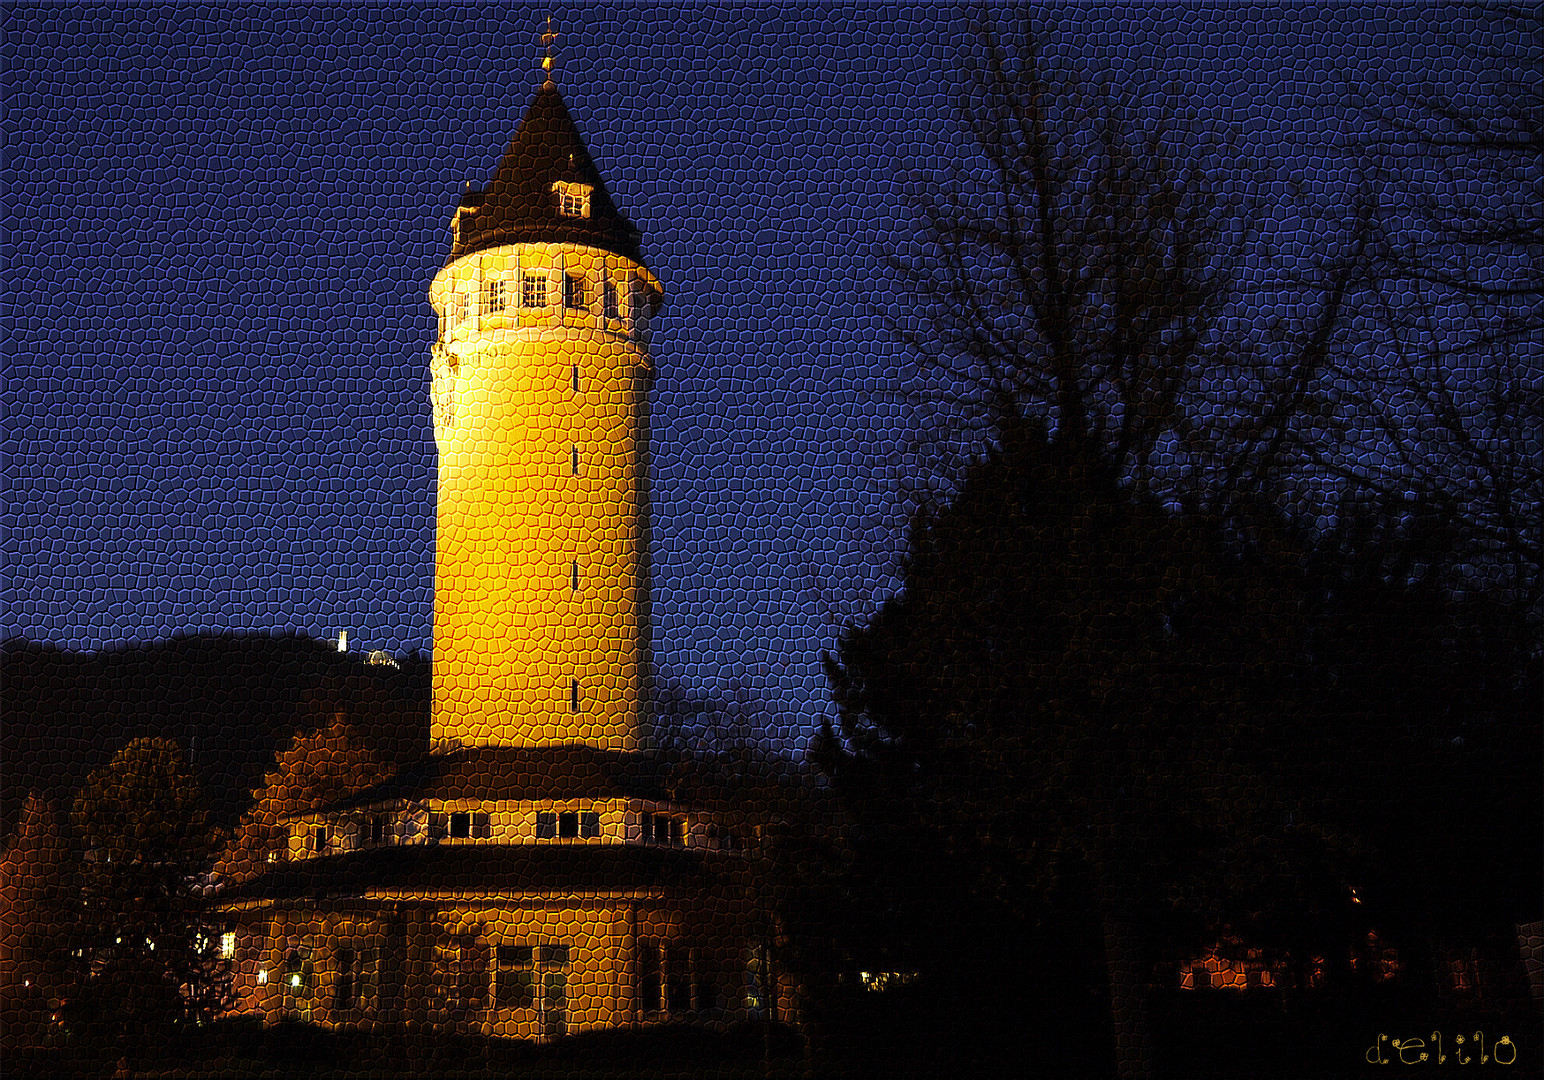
<point x="540" y="383"/>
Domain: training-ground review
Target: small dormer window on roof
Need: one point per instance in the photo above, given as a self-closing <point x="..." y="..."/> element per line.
<point x="573" y="199"/>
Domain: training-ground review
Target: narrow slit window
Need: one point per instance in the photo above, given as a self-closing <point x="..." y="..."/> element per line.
<point x="573" y="696"/>
<point x="609" y="300"/>
<point x="568" y="824"/>
<point x="574" y="461"/>
<point x="573" y="576"/>
<point x="576" y="378"/>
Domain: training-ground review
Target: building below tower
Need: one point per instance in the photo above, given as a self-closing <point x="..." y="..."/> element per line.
<point x="522" y="893"/>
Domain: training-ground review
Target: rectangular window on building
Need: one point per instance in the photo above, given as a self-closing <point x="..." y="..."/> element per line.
<point x="573" y="576"/>
<point x="609" y="300"/>
<point x="318" y="841"/>
<point x="514" y="977"/>
<point x="678" y="984"/>
<point x="574" y="291"/>
<point x="651" y="969"/>
<point x="534" y="291"/>
<point x="589" y="824"/>
<point x="461" y="825"/>
<point x="576" y="378"/>
<point x="574" y="461"/>
<point x="367" y="977"/>
<point x="568" y="824"/>
<point x="493" y="298"/>
<point x="482" y="827"/>
<point x="463" y="308"/>
<point x="573" y="696"/>
<point x="465" y="961"/>
<point x="438" y="825"/>
<point x="344" y="986"/>
<point x="546" y="824"/>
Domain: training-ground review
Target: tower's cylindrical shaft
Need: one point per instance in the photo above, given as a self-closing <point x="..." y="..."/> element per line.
<point x="541" y="564"/>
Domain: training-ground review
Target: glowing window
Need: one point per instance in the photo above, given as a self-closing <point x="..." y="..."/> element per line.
<point x="493" y="297"/>
<point x="573" y="199"/>
<point x="533" y="291"/>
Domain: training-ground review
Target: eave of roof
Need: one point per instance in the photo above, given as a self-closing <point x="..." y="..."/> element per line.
<point x="479" y="869"/>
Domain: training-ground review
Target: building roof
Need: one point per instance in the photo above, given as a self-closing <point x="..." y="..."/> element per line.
<point x="520" y="774"/>
<point x="480" y="868"/>
<point x="519" y="204"/>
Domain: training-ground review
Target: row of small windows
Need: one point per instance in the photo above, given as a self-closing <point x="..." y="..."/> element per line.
<point x="534" y="292"/>
<point x="476" y="825"/>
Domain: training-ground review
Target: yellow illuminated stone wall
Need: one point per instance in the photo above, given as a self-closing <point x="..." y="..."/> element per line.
<point x="540" y="413"/>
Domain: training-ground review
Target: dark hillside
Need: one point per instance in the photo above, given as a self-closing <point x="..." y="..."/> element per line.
<point x="234" y="700"/>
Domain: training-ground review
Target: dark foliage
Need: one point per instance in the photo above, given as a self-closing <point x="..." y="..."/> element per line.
<point x="142" y="961"/>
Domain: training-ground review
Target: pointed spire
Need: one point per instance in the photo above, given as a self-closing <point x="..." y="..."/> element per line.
<point x="528" y="198"/>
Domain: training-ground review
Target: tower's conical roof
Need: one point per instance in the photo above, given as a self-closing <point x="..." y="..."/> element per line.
<point x="520" y="204"/>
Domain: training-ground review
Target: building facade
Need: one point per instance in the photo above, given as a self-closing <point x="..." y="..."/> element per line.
<point x="529" y="877"/>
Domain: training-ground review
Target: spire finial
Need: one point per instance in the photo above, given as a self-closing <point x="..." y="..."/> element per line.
<point x="547" y="38"/>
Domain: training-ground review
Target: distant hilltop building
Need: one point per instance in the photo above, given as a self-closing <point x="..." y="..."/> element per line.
<point x="530" y="876"/>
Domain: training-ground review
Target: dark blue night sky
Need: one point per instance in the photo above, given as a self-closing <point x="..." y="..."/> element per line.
<point x="221" y="223"/>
